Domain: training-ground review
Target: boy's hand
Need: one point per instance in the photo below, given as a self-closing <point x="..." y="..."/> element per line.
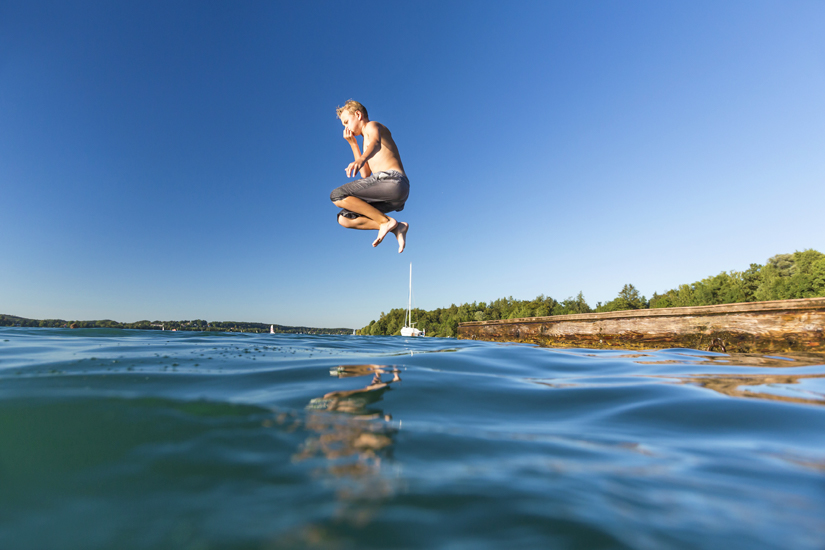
<point x="349" y="136"/>
<point x="353" y="168"/>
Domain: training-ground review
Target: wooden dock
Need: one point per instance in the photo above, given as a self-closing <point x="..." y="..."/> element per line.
<point x="750" y="327"/>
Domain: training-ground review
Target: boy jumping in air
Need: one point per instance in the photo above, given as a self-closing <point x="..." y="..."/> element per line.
<point x="383" y="186"/>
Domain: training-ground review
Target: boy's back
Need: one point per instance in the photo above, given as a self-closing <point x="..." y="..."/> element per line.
<point x="386" y="156"/>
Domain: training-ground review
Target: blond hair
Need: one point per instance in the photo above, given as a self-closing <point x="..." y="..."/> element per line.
<point x="352" y="106"/>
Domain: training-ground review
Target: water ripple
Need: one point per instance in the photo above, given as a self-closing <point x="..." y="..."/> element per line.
<point x="142" y="439"/>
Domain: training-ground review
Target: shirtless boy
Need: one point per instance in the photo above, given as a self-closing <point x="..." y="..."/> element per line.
<point x="383" y="186"/>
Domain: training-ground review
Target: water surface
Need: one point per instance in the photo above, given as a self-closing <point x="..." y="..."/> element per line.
<point x="148" y="439"/>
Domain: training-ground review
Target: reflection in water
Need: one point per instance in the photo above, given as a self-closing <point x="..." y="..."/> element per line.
<point x="791" y="388"/>
<point x="803" y="388"/>
<point x="738" y="360"/>
<point x="356" y="401"/>
<point x="353" y="445"/>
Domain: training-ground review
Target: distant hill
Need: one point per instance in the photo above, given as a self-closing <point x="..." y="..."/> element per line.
<point x="195" y="325"/>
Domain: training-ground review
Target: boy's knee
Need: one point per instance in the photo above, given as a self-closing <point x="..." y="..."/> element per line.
<point x="336" y="195"/>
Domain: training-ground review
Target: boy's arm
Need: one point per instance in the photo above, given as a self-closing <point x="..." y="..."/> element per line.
<point x="356" y="152"/>
<point x="372" y="142"/>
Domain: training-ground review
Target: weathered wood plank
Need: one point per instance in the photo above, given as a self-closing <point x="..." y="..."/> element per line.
<point x="757" y="327"/>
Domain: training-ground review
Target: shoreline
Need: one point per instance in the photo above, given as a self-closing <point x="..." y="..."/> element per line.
<point x="749" y="327"/>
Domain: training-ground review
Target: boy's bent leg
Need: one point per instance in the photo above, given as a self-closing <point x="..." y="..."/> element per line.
<point x="358" y="223"/>
<point x="385" y="223"/>
<point x="400" y="230"/>
<point x="354" y="204"/>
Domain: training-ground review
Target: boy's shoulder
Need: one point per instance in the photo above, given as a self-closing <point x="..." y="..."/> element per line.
<point x="375" y="125"/>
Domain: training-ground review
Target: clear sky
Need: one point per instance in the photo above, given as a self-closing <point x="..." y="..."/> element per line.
<point x="173" y="160"/>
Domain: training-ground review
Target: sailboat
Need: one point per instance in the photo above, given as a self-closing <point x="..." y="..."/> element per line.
<point x="408" y="329"/>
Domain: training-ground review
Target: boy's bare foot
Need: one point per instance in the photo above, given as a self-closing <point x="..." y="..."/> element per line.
<point x="383" y="229"/>
<point x="400" y="232"/>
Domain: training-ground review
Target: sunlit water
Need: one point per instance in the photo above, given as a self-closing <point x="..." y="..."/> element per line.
<point x="142" y="439"/>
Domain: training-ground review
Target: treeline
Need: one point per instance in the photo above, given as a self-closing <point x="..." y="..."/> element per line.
<point x="195" y="325"/>
<point x="784" y="276"/>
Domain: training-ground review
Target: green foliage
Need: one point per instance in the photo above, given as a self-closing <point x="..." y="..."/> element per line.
<point x="797" y="275"/>
<point x="572" y="305"/>
<point x="444" y="321"/>
<point x="784" y="276"/>
<point x="628" y="298"/>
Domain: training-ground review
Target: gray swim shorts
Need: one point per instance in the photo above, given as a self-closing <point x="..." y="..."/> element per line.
<point x="386" y="191"/>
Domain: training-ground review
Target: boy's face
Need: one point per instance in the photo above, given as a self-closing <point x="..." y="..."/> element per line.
<point x="353" y="121"/>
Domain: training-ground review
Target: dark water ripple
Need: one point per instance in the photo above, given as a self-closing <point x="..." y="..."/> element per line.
<point x="133" y="439"/>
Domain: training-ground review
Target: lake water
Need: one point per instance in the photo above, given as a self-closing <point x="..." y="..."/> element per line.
<point x="149" y="439"/>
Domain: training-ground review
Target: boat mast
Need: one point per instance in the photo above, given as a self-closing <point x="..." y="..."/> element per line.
<point x="409" y="305"/>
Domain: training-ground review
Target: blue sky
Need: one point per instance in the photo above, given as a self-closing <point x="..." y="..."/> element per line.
<point x="173" y="160"/>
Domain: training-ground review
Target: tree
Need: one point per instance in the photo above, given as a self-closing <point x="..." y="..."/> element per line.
<point x="628" y="298"/>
